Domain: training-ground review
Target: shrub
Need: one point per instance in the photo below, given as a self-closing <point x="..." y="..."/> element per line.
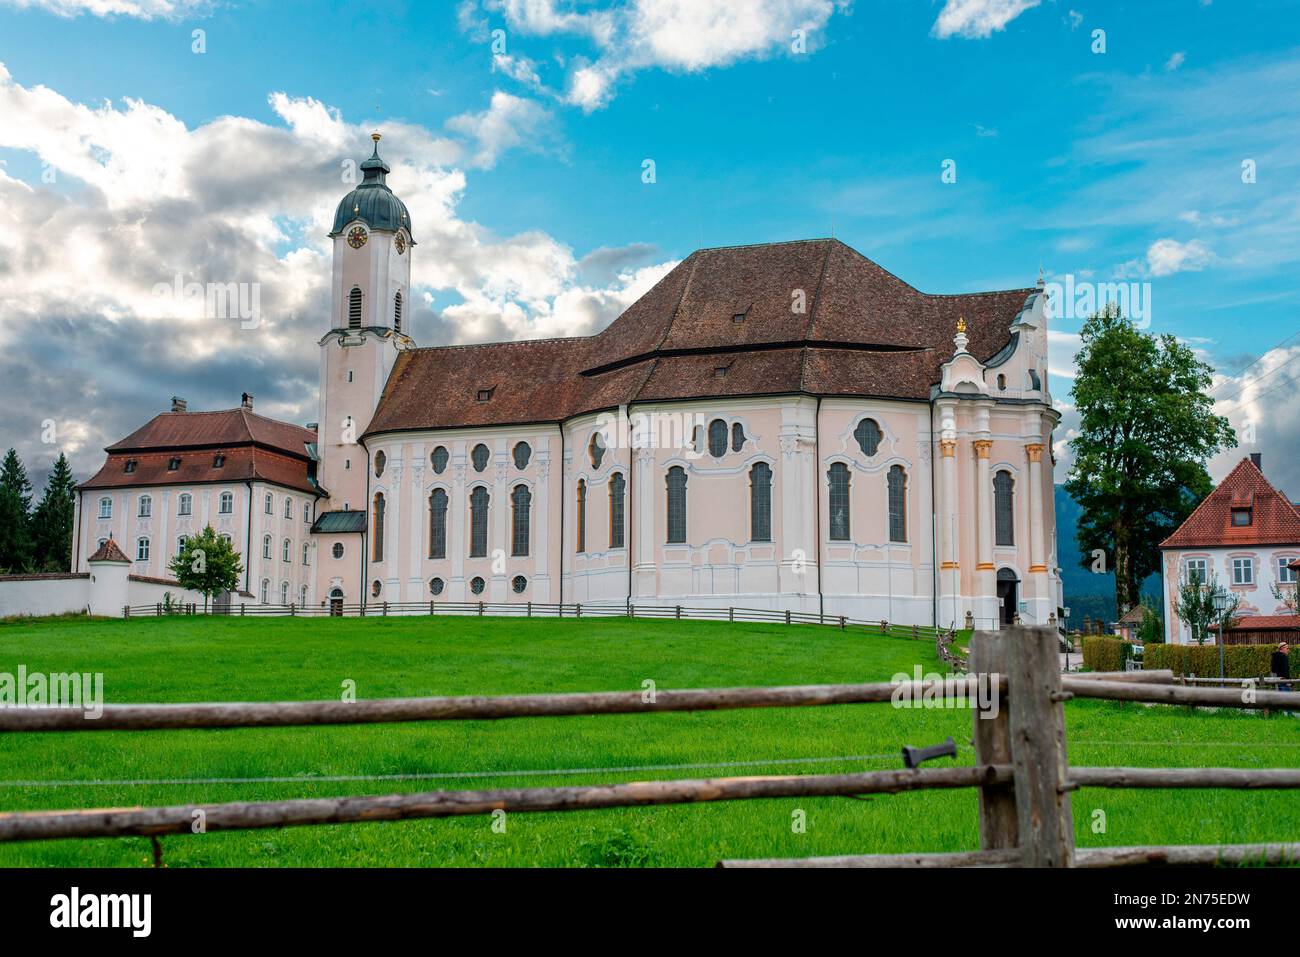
<point x="1105" y="653"/>
<point x="1239" y="661"/>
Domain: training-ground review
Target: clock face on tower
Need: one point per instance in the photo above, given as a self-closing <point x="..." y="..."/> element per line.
<point x="400" y="242"/>
<point x="356" y="237"/>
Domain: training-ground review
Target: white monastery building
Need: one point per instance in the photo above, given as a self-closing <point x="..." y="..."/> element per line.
<point x="781" y="426"/>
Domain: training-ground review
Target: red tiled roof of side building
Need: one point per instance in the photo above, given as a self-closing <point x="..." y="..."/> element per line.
<point x="1273" y="521"/>
<point x="1265" y="623"/>
<point x="109" y="552"/>
<point x="813" y="316"/>
<point x="197" y="468"/>
<point x="226" y="427"/>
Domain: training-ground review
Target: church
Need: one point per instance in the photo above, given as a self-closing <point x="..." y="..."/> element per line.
<point x="784" y="425"/>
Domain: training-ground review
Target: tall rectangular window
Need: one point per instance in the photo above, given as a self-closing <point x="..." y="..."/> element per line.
<point x="1004" y="526"/>
<point x="897" y="482"/>
<point x="478" y="522"/>
<point x="760" y="502"/>
<point x="837" y="478"/>
<point x="676" y="505"/>
<point x="438" y="524"/>
<point x="520" y="503"/>
<point x="582" y="515"/>
<point x="617" y="492"/>
<point x="377" y="552"/>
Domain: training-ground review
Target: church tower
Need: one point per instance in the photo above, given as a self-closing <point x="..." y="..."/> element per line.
<point x="369" y="305"/>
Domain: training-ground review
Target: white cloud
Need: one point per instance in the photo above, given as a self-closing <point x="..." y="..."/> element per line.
<point x="507" y="123"/>
<point x="141" y="9"/>
<point x="1075" y="19"/>
<point x="683" y="35"/>
<point x="1168" y="256"/>
<point x="1175" y="61"/>
<point x="141" y="198"/>
<point x="1258" y="402"/>
<point x="977" y="19"/>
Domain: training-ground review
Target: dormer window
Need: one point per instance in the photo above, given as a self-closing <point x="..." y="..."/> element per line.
<point x="720" y="372"/>
<point x="130" y="466"/>
<point x="1241" y="517"/>
<point x="173" y="463"/>
<point x="485" y="395"/>
<point x="738" y="317"/>
<point x="218" y="460"/>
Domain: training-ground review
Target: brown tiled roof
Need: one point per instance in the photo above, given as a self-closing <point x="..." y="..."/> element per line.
<point x="1266" y="623"/>
<point x="1274" y="520"/>
<point x="862" y="331"/>
<point x="109" y="552"/>
<point x="228" y="427"/>
<point x="1134" y="616"/>
<point x="196" y="468"/>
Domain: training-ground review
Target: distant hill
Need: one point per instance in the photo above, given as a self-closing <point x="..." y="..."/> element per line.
<point x="1086" y="592"/>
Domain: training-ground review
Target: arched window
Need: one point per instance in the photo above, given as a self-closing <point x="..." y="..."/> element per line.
<point x="522" y="454"/>
<point x="760" y="502"/>
<point x="480" y="457"/>
<point x="1004" y="526"/>
<point x="306" y="553"/>
<point x="354" y="308"/>
<point x="227" y="503"/>
<point x="302" y="596"/>
<point x="185" y="504"/>
<point x="868" y="435"/>
<point x="897" y="482"/>
<point x="439" y="459"/>
<point x="266" y="591"/>
<point x="438" y="523"/>
<point x="676" y="482"/>
<point x="596" y="450"/>
<point x="288" y="507"/>
<point x="266" y="546"/>
<point x="617" y="496"/>
<point x="520" y="500"/>
<point x="478" y="522"/>
<point x="837" y="477"/>
<point x="381" y="460"/>
<point x="397" y="312"/>
<point x="717" y="438"/>
<point x="142" y="549"/>
<point x="146" y="506"/>
<point x="268" y="505"/>
<point x="377" y="536"/>
<point x="284" y="593"/>
<point x="582" y="512"/>
<point x="105" y="507"/>
<point x="286" y="551"/>
<point x="737" y="437"/>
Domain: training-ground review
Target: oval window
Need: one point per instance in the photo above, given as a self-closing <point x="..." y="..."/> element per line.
<point x="439" y="459"/>
<point x="519" y="583"/>
<point x="380" y="461"/>
<point x="337" y="550"/>
<point x="436" y="586"/>
<point x="480" y="457"/>
<point x="522" y="454"/>
<point x="476" y="585"/>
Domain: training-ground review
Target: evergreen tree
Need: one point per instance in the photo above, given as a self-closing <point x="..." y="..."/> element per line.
<point x="52" y="520"/>
<point x="15" y="522"/>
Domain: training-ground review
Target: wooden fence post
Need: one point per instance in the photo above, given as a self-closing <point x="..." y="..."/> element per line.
<point x="679" y="611"/>
<point x="241" y="609"/>
<point x="530" y="609"/>
<point x="841" y="622"/>
<point x="999" y="826"/>
<point x="731" y="613"/>
<point x="1046" y="824"/>
<point x="126" y="611"/>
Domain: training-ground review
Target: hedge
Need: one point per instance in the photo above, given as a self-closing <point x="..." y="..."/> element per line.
<point x="1239" y="661"/>
<point x="1102" y="653"/>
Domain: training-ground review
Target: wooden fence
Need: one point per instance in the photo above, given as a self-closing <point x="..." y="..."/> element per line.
<point x="1020" y="768"/>
<point x="548" y="610"/>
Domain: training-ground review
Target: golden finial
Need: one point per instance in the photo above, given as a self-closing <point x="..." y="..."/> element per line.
<point x="961" y="324"/>
<point x="375" y="137"/>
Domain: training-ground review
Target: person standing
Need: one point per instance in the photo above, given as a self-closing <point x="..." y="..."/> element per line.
<point x="1280" y="665"/>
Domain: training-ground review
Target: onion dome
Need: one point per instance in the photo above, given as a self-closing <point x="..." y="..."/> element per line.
<point x="372" y="202"/>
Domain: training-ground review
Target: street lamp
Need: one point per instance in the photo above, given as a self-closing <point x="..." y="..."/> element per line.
<point x="1221" y="603"/>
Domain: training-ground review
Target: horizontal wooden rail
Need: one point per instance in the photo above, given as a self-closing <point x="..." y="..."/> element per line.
<point x="259" y="714"/>
<point x="1250" y="778"/>
<point x="181" y="819"/>
<point x="1154" y="676"/>
<point x="1173" y="855"/>
<point x="1177" y="694"/>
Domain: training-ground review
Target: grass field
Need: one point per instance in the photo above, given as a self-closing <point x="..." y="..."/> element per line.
<point x="194" y="659"/>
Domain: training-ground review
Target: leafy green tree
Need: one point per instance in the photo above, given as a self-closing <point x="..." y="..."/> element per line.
<point x="1195" y="605"/>
<point x="1152" y="629"/>
<point x="1147" y="429"/>
<point x="15" y="520"/>
<point x="52" y="520"/>
<point x="207" y="564"/>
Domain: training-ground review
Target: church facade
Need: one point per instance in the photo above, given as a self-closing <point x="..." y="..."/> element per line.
<point x="785" y="426"/>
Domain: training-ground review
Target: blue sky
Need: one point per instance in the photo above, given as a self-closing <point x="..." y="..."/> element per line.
<point x="1115" y="165"/>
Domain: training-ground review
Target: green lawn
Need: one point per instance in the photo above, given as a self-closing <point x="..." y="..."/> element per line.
<point x="193" y="659"/>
